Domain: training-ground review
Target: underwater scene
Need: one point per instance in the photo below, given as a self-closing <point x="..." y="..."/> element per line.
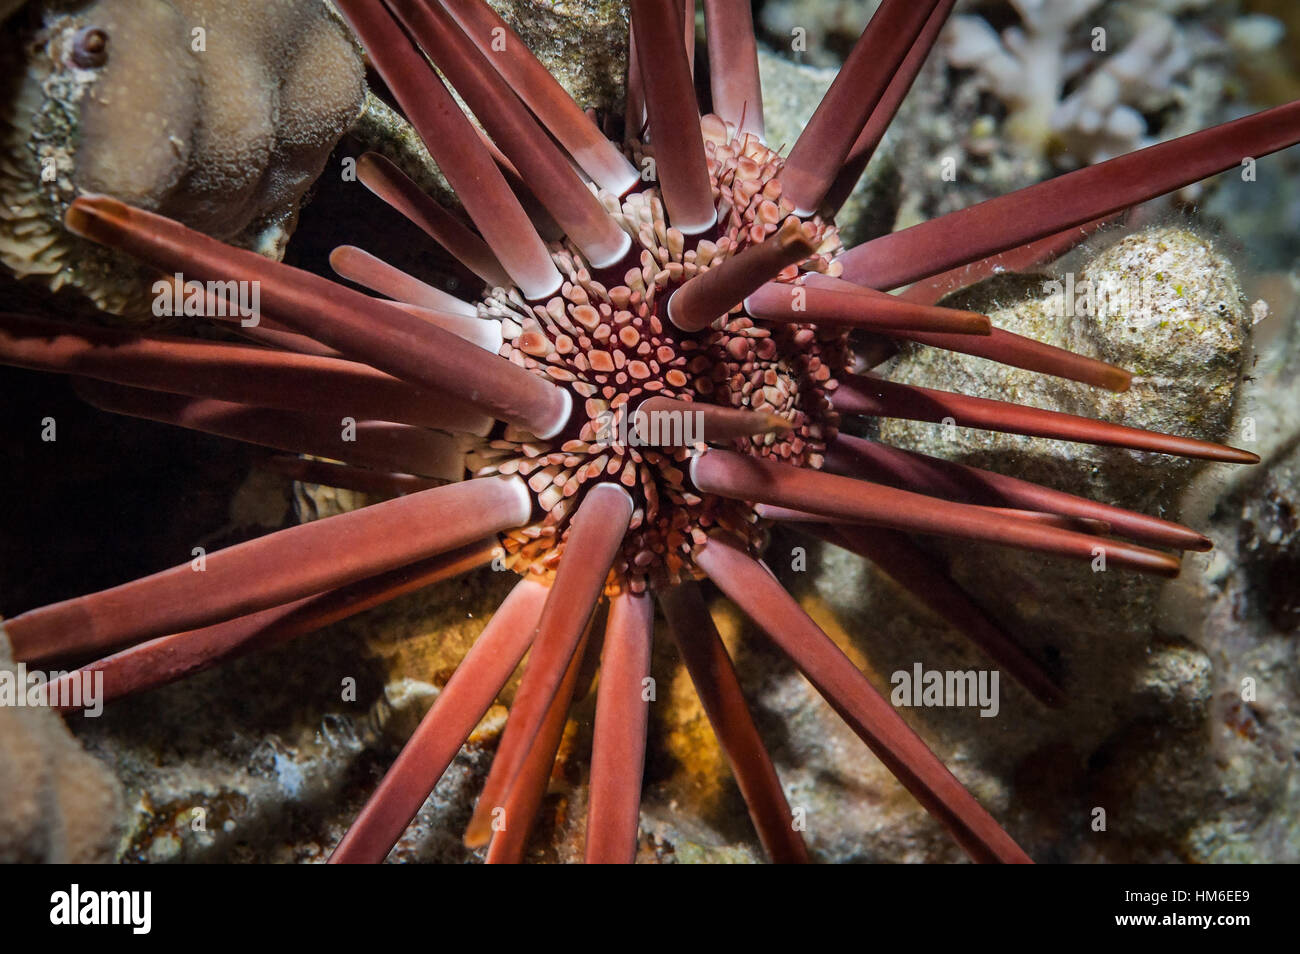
<point x="649" y="431"/>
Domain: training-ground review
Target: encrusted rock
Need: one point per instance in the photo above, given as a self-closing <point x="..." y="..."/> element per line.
<point x="582" y="42"/>
<point x="218" y="114"/>
<point x="60" y="805"/>
<point x="1133" y="738"/>
<point x="1164" y="303"/>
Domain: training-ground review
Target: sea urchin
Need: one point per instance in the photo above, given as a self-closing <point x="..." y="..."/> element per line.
<point x="640" y="401"/>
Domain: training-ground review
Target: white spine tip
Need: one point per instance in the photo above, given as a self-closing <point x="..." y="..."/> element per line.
<point x="561" y="418"/>
<point x="522" y="506"/>
<point x="612" y="258"/>
<point x="609" y="487"/>
<point x="696" y="229"/>
<point x="682" y="324"/>
<point x="627" y="180"/>
<point x="539" y="287"/>
<point x="695" y="459"/>
<point x="672" y="317"/>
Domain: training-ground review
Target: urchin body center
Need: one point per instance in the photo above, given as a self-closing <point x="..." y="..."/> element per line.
<point x="614" y="347"/>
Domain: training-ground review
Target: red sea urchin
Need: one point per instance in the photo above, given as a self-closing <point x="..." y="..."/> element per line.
<point x="712" y="288"/>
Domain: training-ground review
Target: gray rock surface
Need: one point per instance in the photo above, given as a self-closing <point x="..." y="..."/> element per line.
<point x="60" y="805"/>
<point x="1163" y="303"/>
<point x="1244" y="611"/>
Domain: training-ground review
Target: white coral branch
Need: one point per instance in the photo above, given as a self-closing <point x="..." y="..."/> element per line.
<point x="1028" y="68"/>
<point x="1100" y="119"/>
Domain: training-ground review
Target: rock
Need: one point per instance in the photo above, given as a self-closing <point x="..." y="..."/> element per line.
<point x="1242" y="611"/>
<point x="244" y="103"/>
<point x="61" y="805"/>
<point x="816" y="32"/>
<point x="1165" y="304"/>
<point x="1134" y="739"/>
<point x="582" y="42"/>
<point x="270" y="757"/>
<point x="791" y="93"/>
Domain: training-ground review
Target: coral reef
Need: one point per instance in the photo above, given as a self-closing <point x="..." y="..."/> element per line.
<point x="290" y="777"/>
<point x="1021" y="94"/>
<point x="1157" y="731"/>
<point x="1242" y="611"/>
<point x="1151" y="64"/>
<point x="245" y="103"/>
